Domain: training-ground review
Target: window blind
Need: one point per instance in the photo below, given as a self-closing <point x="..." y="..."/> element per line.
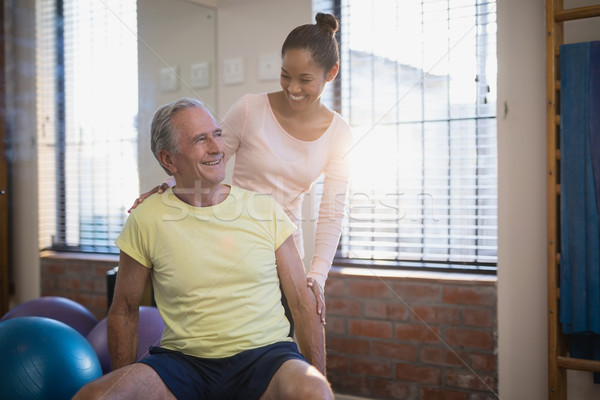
<point x="87" y="109"/>
<point x="418" y="85"/>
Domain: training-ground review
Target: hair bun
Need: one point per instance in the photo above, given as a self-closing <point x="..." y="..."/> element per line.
<point x="327" y="21"/>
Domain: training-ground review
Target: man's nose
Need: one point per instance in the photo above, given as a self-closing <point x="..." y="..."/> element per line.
<point x="215" y="145"/>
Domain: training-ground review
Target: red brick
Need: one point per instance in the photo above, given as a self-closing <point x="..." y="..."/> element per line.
<point x="55" y="269"/>
<point x="415" y="373"/>
<point x="470" y="338"/>
<point x="335" y="287"/>
<point x="48" y="283"/>
<point x="376" y="329"/>
<point x="483" y="362"/>
<point x="436" y="315"/>
<point x="417" y="332"/>
<point x="386" y="310"/>
<point x="100" y="302"/>
<point x="347" y="307"/>
<point x="100" y="270"/>
<point x="417" y="292"/>
<point x="353" y="385"/>
<point x="371" y="368"/>
<point x="468" y="380"/>
<point x="369" y="289"/>
<point x="392" y="350"/>
<point x="337" y="363"/>
<point x="77" y="269"/>
<point x="390" y="389"/>
<point x="473" y="295"/>
<point x="348" y="345"/>
<point x="335" y="325"/>
<point x="442" y="356"/>
<point x="67" y="284"/>
<point x="439" y="394"/>
<point x="479" y="317"/>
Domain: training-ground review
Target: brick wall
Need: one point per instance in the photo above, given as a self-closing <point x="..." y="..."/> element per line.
<point x="388" y="336"/>
<point x="78" y="277"/>
<point x="402" y="337"/>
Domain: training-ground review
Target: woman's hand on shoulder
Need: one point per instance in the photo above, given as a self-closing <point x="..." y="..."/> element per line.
<point x="158" y="189"/>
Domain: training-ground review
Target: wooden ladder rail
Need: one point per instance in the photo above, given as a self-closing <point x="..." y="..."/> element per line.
<point x="558" y="363"/>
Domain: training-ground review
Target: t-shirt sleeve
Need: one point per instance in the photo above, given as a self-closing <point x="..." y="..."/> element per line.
<point x="131" y="242"/>
<point x="282" y="224"/>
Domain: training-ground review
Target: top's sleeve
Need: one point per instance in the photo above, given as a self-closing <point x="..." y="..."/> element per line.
<point x="132" y="243"/>
<point x="234" y="125"/>
<point x="332" y="207"/>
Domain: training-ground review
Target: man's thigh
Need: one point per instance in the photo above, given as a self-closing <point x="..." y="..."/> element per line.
<point x="297" y="379"/>
<point x="133" y="381"/>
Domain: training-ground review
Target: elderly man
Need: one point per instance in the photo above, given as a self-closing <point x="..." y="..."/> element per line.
<point x="217" y="256"/>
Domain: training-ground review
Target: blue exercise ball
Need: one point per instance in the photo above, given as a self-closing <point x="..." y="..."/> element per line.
<point x="59" y="308"/>
<point x="44" y="359"/>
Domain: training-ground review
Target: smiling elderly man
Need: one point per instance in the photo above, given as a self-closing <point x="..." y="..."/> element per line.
<point x="217" y="256"/>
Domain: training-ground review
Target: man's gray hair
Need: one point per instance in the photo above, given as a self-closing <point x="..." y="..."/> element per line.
<point x="163" y="135"/>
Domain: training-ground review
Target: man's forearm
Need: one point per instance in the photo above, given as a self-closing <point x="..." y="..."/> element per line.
<point x="122" y="339"/>
<point x="310" y="332"/>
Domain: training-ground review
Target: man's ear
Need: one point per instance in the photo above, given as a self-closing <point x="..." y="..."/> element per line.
<point x="333" y="72"/>
<point x="166" y="159"/>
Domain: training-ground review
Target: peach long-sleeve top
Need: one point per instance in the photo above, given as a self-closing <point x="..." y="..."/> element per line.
<point x="271" y="161"/>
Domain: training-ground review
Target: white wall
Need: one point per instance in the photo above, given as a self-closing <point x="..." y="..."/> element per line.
<point x="248" y="29"/>
<point x="522" y="327"/>
<point x="172" y="33"/>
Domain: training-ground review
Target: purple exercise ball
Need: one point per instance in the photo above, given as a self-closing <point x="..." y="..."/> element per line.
<point x="150" y="330"/>
<point x="58" y="308"/>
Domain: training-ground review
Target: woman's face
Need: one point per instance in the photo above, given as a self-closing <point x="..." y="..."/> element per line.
<point x="302" y="80"/>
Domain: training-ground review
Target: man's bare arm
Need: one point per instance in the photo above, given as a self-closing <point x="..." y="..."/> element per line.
<point x="302" y="303"/>
<point x="123" y="316"/>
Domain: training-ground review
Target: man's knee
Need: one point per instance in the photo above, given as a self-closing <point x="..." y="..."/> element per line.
<point x="309" y="387"/>
<point x="298" y="380"/>
<point x="89" y="392"/>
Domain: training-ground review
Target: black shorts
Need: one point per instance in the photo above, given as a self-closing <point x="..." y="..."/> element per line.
<point x="243" y="376"/>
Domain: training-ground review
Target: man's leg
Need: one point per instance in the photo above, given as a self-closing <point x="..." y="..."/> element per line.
<point x="133" y="381"/>
<point x="297" y="379"/>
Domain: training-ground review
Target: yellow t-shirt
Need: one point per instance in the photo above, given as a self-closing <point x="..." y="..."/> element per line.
<point x="213" y="270"/>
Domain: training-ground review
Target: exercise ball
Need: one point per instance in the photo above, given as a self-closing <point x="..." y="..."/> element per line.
<point x="61" y="309"/>
<point x="150" y="328"/>
<point x="44" y="359"/>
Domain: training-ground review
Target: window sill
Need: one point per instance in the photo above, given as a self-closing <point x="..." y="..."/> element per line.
<point x="411" y="274"/>
<point x="68" y="255"/>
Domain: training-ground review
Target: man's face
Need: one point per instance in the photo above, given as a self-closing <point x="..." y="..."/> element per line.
<point x="201" y="158"/>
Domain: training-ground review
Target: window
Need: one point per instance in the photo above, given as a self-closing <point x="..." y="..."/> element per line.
<point x="87" y="95"/>
<point x="418" y="85"/>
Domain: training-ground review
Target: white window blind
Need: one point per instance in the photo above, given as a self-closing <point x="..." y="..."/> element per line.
<point x="418" y="85"/>
<point x="87" y="108"/>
